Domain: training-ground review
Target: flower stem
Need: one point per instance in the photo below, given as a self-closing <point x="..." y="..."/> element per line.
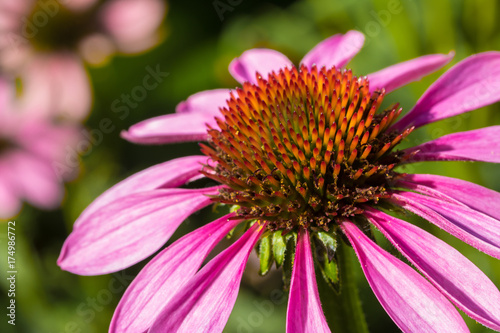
<point x="342" y="308"/>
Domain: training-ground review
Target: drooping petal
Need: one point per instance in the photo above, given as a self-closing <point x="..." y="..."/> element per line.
<point x="450" y="271"/>
<point x="474" y="196"/>
<point x="476" y="229"/>
<point x="336" y="50"/>
<point x="396" y="76"/>
<point x="304" y="307"/>
<point x="472" y="83"/>
<point x="208" y="101"/>
<point x="477" y="145"/>
<point x="262" y="61"/>
<point x="412" y="302"/>
<point x="170" y="128"/>
<point x="129" y="229"/>
<point x="166" y="274"/>
<point x="205" y="302"/>
<point x="172" y="173"/>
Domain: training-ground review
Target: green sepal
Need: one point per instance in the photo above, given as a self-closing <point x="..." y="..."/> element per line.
<point x="291" y="241"/>
<point x="329" y="242"/>
<point x="240" y="229"/>
<point x="234" y="208"/>
<point x="279" y="247"/>
<point x="324" y="247"/>
<point x="330" y="271"/>
<point x="265" y="254"/>
<point x="291" y="235"/>
<point x="342" y="306"/>
<point x="389" y="206"/>
<point x="366" y="227"/>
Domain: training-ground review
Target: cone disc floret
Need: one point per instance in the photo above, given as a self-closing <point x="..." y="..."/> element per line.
<point x="304" y="148"/>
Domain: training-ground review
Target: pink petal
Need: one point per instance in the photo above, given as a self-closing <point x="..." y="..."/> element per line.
<point x="304" y="307"/>
<point x="11" y="120"/>
<point x="125" y="21"/>
<point x="96" y="49"/>
<point x="34" y="179"/>
<point x="472" y="292"/>
<point x="56" y="85"/>
<point x="472" y="83"/>
<point x="477" y="145"/>
<point x="474" y="196"/>
<point x="166" y="274"/>
<point x="170" y="128"/>
<point x="474" y="228"/>
<point x="413" y="303"/>
<point x="15" y="8"/>
<point x="208" y="101"/>
<point x="47" y="141"/>
<point x="129" y="229"/>
<point x="164" y="175"/>
<point x="396" y="76"/>
<point x="205" y="302"/>
<point x="262" y="61"/>
<point x="6" y="94"/>
<point x="336" y="50"/>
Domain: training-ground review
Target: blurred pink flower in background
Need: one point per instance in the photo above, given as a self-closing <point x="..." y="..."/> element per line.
<point x="33" y="155"/>
<point x="133" y="24"/>
<point x="43" y="43"/>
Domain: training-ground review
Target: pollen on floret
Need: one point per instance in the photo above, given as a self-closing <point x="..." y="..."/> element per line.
<point x="304" y="148"/>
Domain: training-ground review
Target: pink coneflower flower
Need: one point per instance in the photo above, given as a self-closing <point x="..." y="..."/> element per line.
<point x="44" y="42"/>
<point x="32" y="151"/>
<point x="303" y="154"/>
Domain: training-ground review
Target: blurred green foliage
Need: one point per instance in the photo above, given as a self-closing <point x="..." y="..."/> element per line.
<point x="197" y="49"/>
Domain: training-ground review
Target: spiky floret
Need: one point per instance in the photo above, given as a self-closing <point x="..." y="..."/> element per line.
<point x="304" y="148"/>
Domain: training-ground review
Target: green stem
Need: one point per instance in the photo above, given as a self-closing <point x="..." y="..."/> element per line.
<point x="343" y="309"/>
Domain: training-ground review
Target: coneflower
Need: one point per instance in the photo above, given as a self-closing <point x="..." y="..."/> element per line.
<point x="304" y="155"/>
<point x="32" y="151"/>
<point x="43" y="44"/>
